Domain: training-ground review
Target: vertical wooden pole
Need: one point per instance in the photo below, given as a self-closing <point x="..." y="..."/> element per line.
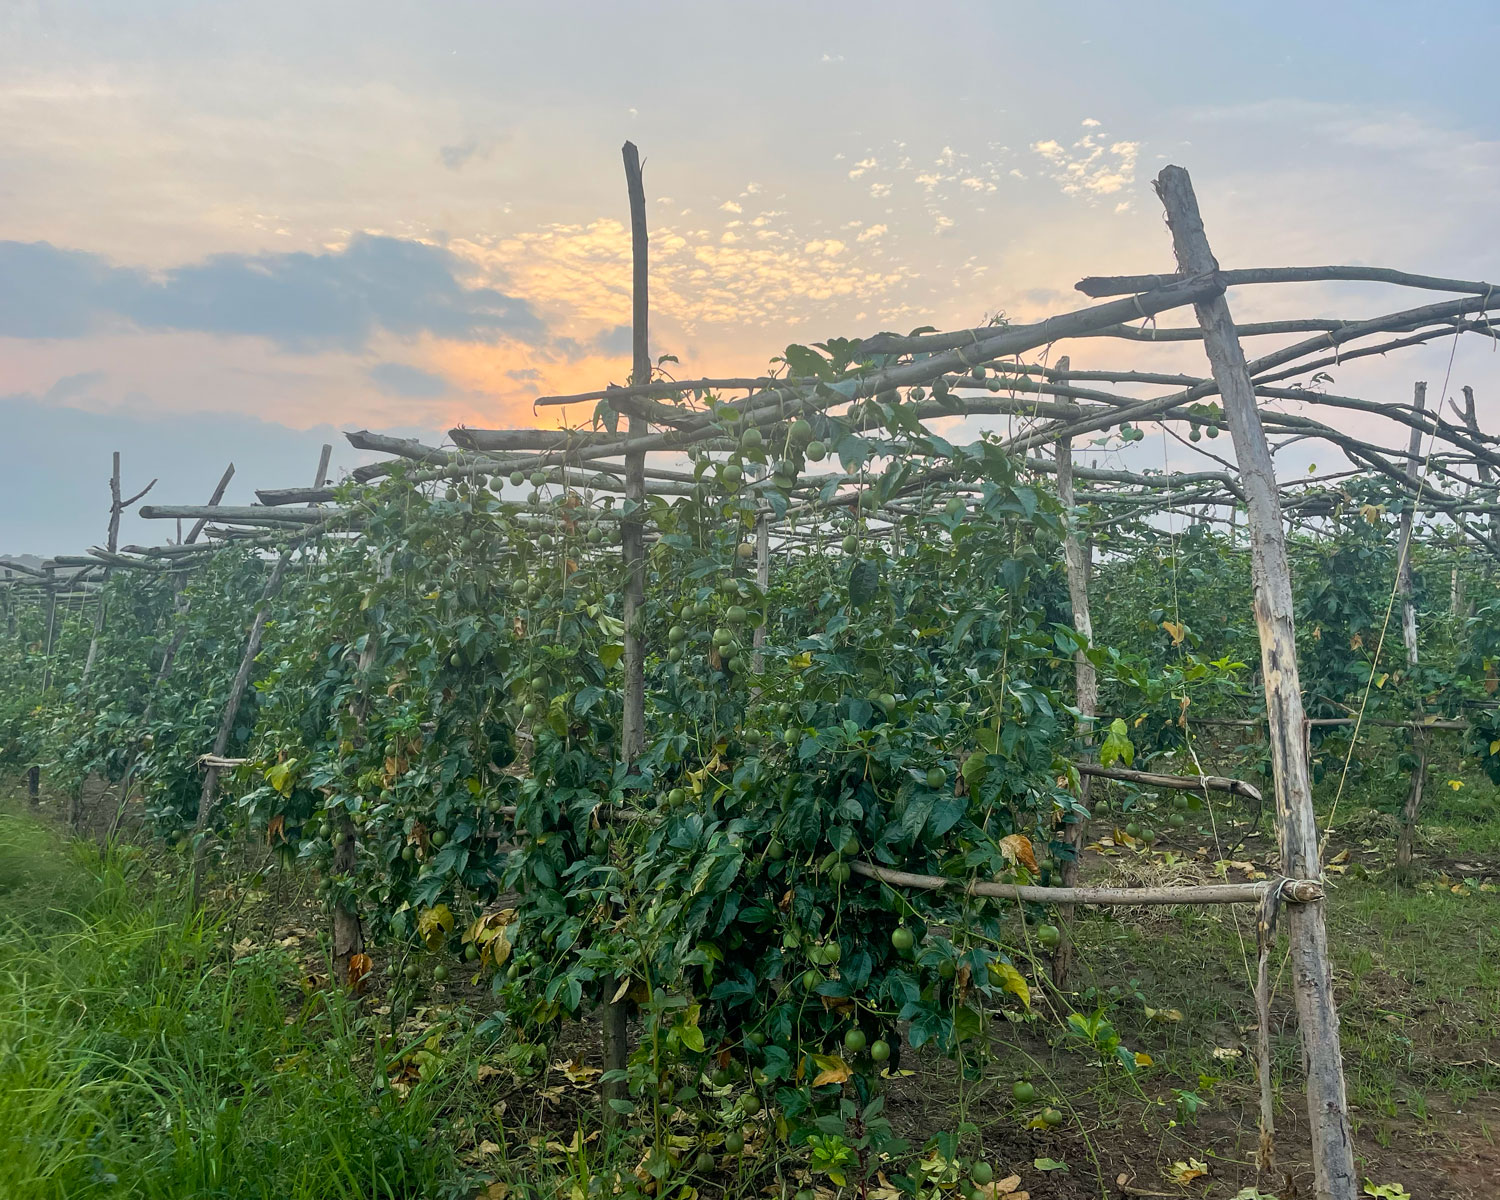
<point x="1297" y="831"/>
<point x="632" y="553"/>
<point x="1076" y="554"/>
<point x="1406" y="839"/>
<point x="50" y="637"/>
<point x="1486" y="477"/>
<point x="763" y="581"/>
<point x="321" y="477"/>
<point x="112" y="542"/>
<point x="209" y="796"/>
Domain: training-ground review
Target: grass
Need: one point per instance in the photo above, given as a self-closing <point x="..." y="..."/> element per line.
<point x="136" y="1060"/>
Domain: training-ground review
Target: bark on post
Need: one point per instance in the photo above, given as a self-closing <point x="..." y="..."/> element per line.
<point x="763" y="581"/>
<point x="633" y="561"/>
<point x="1076" y="553"/>
<point x="1296" y="825"/>
<point x="209" y="796"/>
<point x="1407" y="837"/>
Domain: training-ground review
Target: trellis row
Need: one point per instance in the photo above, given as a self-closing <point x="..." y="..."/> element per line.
<point x="977" y="372"/>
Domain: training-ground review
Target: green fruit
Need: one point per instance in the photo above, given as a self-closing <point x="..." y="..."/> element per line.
<point x="903" y="939"/>
<point x="513" y="972"/>
<point x="816" y="451"/>
<point x="1133" y="829"/>
<point x="744" y="551"/>
<point x="946" y="969"/>
<point x="1148" y="835"/>
<point x="1049" y="936"/>
<point x="471" y="953"/>
<point x="408" y="853"/>
<point x="1051" y="1118"/>
<point x="676" y="634"/>
<point x="839" y="873"/>
<point x="851" y="544"/>
<point x="848" y="845"/>
<point x="736" y="614"/>
<point x="734" y="1143"/>
<point x="800" y="433"/>
<point x="674" y="654"/>
<point x="440" y="973"/>
<point x="410" y="971"/>
<point x="982" y="1173"/>
<point x="455" y="660"/>
<point x="1023" y="1091"/>
<point x="887" y="703"/>
<point x="937" y="778"/>
<point x="1176" y="820"/>
<point x="750" y="1104"/>
<point x="704" y="1163"/>
<point x="776" y="851"/>
<point x="733" y="475"/>
<point x="438" y="837"/>
<point x="879" y="1051"/>
<point x="854" y="1041"/>
<point x="538" y="479"/>
<point x="720" y="1077"/>
<point x="677" y="797"/>
<point x="810" y="980"/>
<point x="756" y="1038"/>
<point x="517" y="479"/>
<point x="752" y="439"/>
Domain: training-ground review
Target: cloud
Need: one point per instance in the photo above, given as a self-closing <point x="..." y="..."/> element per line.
<point x="730" y="206"/>
<point x="454" y="157"/>
<point x="1089" y="167"/>
<point x="399" y="379"/>
<point x="299" y="301"/>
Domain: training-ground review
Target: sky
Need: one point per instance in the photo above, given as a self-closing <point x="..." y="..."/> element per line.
<point x="232" y="231"/>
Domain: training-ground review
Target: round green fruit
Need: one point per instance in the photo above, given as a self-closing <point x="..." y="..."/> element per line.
<point x="854" y="1041"/>
<point x="704" y="1163"/>
<point x="440" y="973"/>
<point x="750" y="1104"/>
<point x="734" y="1143"/>
<point x="438" y="837"/>
<point x="937" y="778"/>
<point x="903" y="939"/>
<point x="982" y="1173"/>
<point x="1049" y="936"/>
<point x="1051" y="1118"/>
<point x="851" y="544"/>
<point x="410" y="971"/>
<point x="810" y="980"/>
<point x="816" y="451"/>
<point x="879" y="1050"/>
<point x="1023" y="1090"/>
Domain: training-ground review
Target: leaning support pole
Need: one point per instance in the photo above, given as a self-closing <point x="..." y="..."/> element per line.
<point x="1405" y="841"/>
<point x="1297" y="833"/>
<point x="226" y="725"/>
<point x="1086" y="683"/>
<point x="633" y="562"/>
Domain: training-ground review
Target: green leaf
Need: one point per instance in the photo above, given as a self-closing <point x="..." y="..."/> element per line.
<point x="610" y="655"/>
<point x="1117" y="745"/>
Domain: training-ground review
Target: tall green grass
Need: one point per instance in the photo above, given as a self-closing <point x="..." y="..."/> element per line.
<point x="136" y="1060"/>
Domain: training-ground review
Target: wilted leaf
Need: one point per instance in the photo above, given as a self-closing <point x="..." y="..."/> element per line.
<point x="1011" y="980"/>
<point x="1386" y="1191"/>
<point x="1049" y="1164"/>
<point x="1186" y="1172"/>
<point x="831" y="1069"/>
<point x="1175" y="630"/>
<point x="1016" y="847"/>
<point x="360" y="966"/>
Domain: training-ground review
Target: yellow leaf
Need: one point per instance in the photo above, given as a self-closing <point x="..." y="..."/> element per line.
<point x="1495" y="746"/>
<point x="488" y="1147"/>
<point x="1175" y="630"/>
<point x="1456" y="784"/>
<point x="1163" y="1014"/>
<point x="1186" y="1172"/>
<point x="1016" y="847"/>
<point x="497" y="1191"/>
<point x="1006" y="977"/>
<point x="831" y="1069"/>
<point x="1143" y="1059"/>
<point x="800" y="662"/>
<point x="434" y="924"/>
<point x="1341" y="857"/>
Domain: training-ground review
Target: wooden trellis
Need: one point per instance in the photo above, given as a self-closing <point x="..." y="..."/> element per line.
<point x="970" y="373"/>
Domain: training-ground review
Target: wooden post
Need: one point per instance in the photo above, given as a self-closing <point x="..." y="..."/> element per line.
<point x="633" y="561"/>
<point x="322" y="475"/>
<point x="207" y="799"/>
<point x="1076" y="555"/>
<point x="1407" y="837"/>
<point x="763" y="581"/>
<point x="51" y="634"/>
<point x="34" y="785"/>
<point x="1296" y="825"/>
<point x="112" y="542"/>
